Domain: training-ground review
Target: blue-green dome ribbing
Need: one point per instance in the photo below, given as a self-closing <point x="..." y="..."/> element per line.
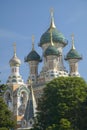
<point x="33" y="56"/>
<point x="51" y="50"/>
<point x="73" y="54"/>
<point x="56" y="36"/>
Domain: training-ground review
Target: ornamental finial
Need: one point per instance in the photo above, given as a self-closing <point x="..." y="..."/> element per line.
<point x="72" y="36"/>
<point x="14" y="46"/>
<point x="51" y="12"/>
<point x="52" y="18"/>
<point x="33" y="42"/>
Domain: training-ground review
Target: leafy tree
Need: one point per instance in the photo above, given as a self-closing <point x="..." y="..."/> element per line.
<point x="61" y="104"/>
<point x="2" y="89"/>
<point x="6" y="117"/>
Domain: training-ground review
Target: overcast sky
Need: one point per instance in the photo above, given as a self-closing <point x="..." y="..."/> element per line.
<point x="20" y="19"/>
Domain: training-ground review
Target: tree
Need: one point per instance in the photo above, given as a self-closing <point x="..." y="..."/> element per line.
<point x="2" y="89"/>
<point x="6" y="117"/>
<point x="61" y="104"/>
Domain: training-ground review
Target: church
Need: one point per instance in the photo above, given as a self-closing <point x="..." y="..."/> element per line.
<point x="21" y="97"/>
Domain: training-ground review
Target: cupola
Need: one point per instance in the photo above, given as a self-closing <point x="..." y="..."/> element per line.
<point x="73" y="54"/>
<point x="33" y="55"/>
<point x="51" y="50"/>
<point x="57" y="36"/>
<point x="15" y="61"/>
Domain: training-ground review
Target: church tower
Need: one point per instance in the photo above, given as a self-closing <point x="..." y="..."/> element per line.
<point x="59" y="42"/>
<point x="17" y="93"/>
<point x="15" y="77"/>
<point x="33" y="60"/>
<point x="51" y="55"/>
<point x="73" y="58"/>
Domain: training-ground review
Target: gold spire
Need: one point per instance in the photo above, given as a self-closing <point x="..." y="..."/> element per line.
<point x="51" y="40"/>
<point x="52" y="18"/>
<point x="72" y="36"/>
<point x="33" y="42"/>
<point x="14" y="47"/>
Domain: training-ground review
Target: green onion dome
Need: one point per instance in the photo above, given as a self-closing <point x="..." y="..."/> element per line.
<point x="56" y="36"/>
<point x="73" y="54"/>
<point x="33" y="56"/>
<point x="51" y="50"/>
<point x="15" y="61"/>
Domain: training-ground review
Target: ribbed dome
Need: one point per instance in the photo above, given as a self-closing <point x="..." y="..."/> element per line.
<point x="56" y="36"/>
<point x="51" y="50"/>
<point x="15" y="61"/>
<point x="73" y="54"/>
<point x="33" y="56"/>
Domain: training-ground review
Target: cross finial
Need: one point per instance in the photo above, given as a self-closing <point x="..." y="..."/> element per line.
<point x="72" y="36"/>
<point x="52" y="18"/>
<point x="33" y="42"/>
<point x="51" y="12"/>
<point x="14" y="46"/>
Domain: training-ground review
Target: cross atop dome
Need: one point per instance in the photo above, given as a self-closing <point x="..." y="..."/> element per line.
<point x="33" y="39"/>
<point x="14" y="47"/>
<point x="52" y="18"/>
<point x="72" y="36"/>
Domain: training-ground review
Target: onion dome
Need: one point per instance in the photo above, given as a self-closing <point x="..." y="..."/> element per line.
<point x="33" y="55"/>
<point x="56" y="35"/>
<point x="73" y="54"/>
<point x="15" y="61"/>
<point x="51" y="50"/>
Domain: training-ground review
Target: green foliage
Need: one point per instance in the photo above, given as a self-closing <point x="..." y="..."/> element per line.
<point x="61" y="104"/>
<point x="3" y="128"/>
<point x="2" y="89"/>
<point x="6" y="117"/>
<point x="65" y="124"/>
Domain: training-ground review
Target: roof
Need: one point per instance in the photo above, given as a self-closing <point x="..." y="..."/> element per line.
<point x="73" y="54"/>
<point x="15" y="61"/>
<point x="30" y="111"/>
<point x="33" y="56"/>
<point x="56" y="36"/>
<point x="51" y="50"/>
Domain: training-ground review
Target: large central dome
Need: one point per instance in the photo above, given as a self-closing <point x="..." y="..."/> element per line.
<point x="57" y="36"/>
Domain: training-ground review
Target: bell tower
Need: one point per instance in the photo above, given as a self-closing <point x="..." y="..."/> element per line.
<point x="73" y="57"/>
<point x="17" y="93"/>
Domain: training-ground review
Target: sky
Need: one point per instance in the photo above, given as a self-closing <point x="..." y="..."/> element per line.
<point x="20" y="19"/>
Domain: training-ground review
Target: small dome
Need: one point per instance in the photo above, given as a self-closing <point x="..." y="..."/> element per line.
<point x="15" y="61"/>
<point x="56" y="36"/>
<point x="51" y="50"/>
<point x="73" y="54"/>
<point x="33" y="56"/>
